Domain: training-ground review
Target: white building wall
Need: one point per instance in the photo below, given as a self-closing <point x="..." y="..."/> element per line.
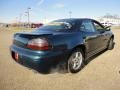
<point x="110" y="21"/>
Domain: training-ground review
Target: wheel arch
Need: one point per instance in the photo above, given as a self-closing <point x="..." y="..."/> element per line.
<point x="83" y="47"/>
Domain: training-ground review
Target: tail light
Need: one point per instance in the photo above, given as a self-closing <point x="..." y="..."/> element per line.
<point x="38" y="44"/>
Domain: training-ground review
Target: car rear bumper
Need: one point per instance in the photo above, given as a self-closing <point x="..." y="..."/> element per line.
<point x="41" y="61"/>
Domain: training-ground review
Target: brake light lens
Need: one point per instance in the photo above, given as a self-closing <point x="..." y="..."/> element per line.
<point x="38" y="44"/>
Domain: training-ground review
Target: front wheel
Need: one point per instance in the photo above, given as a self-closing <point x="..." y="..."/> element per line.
<point x="75" y="62"/>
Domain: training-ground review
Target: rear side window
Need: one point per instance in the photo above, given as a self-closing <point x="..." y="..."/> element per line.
<point x="87" y="26"/>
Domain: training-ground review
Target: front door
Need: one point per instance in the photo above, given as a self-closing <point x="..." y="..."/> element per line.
<point x="91" y="37"/>
<point x="102" y="33"/>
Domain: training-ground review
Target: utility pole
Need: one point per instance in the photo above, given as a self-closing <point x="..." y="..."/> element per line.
<point x="70" y="13"/>
<point x="28" y="14"/>
<point x="20" y="17"/>
<point x="16" y="20"/>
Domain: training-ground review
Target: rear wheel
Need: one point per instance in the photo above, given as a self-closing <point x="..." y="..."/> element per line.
<point x="75" y="62"/>
<point x="111" y="44"/>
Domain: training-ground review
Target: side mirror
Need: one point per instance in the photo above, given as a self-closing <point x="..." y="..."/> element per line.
<point x="108" y="28"/>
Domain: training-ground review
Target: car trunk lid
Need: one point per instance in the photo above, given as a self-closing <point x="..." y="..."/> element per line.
<point x="21" y="39"/>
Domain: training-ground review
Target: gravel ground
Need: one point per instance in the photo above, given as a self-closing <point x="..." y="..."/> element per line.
<point x="102" y="73"/>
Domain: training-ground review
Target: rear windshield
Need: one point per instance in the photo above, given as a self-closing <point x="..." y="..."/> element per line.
<point x="57" y="26"/>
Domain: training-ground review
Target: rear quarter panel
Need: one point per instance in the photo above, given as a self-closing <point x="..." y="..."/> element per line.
<point x="66" y="41"/>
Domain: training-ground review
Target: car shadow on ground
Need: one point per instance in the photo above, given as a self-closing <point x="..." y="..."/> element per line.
<point x="95" y="56"/>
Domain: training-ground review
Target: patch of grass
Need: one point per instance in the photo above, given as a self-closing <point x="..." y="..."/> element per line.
<point x="19" y="28"/>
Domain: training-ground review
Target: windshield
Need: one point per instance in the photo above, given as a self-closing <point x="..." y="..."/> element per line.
<point x="57" y="26"/>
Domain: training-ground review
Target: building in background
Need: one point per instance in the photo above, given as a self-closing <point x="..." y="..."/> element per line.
<point x="110" y="20"/>
<point x="26" y="25"/>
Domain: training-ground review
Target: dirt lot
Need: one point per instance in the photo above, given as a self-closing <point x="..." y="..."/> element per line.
<point x="102" y="73"/>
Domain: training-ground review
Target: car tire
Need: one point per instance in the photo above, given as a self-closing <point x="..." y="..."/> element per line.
<point x="111" y="44"/>
<point x="76" y="61"/>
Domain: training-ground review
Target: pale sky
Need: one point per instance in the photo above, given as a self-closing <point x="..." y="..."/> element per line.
<point x="47" y="10"/>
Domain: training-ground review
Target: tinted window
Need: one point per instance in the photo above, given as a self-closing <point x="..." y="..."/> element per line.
<point x="87" y="26"/>
<point x="57" y="25"/>
<point x="97" y="26"/>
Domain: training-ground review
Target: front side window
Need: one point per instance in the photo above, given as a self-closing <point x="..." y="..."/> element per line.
<point x="87" y="26"/>
<point x="98" y="27"/>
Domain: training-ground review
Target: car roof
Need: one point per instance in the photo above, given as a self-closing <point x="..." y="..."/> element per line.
<point x="79" y="18"/>
<point x="73" y="19"/>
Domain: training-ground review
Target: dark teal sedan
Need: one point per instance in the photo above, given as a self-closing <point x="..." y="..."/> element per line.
<point x="64" y="43"/>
